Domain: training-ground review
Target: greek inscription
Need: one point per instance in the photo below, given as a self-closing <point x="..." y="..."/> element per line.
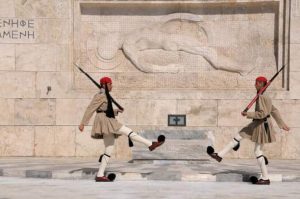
<point x="15" y="29"/>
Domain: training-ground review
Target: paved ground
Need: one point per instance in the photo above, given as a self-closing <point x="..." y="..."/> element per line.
<point x="73" y="178"/>
<point x="199" y="171"/>
<point x="30" y="188"/>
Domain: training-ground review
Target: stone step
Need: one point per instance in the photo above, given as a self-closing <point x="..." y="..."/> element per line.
<point x="173" y="150"/>
<point x="177" y="134"/>
<point x="180" y="145"/>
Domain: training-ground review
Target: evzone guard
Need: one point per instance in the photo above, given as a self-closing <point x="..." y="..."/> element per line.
<point x="260" y="130"/>
<point x="106" y="127"/>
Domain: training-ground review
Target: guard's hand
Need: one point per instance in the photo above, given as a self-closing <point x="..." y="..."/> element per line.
<point x="244" y="113"/>
<point x="285" y="127"/>
<point x="81" y="127"/>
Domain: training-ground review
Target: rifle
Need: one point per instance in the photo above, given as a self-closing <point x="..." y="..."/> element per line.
<point x="262" y="90"/>
<point x="98" y="85"/>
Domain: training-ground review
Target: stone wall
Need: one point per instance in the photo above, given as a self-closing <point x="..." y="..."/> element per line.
<point x="197" y="58"/>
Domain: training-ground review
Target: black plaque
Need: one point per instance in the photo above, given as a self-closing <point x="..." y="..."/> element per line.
<point x="176" y="120"/>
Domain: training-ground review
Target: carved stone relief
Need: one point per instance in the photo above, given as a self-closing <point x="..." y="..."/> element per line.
<point x="178" y="32"/>
<point x="213" y="40"/>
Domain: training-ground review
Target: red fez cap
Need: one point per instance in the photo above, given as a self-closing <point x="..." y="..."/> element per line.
<point x="261" y="79"/>
<point x="105" y="80"/>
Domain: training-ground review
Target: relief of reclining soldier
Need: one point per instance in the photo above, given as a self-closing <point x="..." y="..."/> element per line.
<point x="177" y="33"/>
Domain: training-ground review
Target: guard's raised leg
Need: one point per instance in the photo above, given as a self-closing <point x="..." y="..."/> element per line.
<point x="133" y="136"/>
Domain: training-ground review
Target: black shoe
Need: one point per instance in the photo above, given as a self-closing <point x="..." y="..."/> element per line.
<point x="102" y="179"/>
<point x="215" y="156"/>
<point x="211" y="152"/>
<point x="263" y="182"/>
<point x="160" y="141"/>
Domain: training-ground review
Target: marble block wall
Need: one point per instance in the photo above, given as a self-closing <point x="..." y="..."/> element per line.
<point x="197" y="58"/>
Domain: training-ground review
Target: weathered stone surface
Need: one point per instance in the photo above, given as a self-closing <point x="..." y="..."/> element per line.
<point x="290" y="144"/>
<point x="36" y="8"/>
<point x="7" y="8"/>
<point x="65" y="61"/>
<point x="14" y="85"/>
<point x="229" y="177"/>
<point x="16" y="141"/>
<point x="7" y="108"/>
<point x="129" y="116"/>
<point x="295" y="58"/>
<point x="35" y="112"/>
<point x="38" y="174"/>
<point x="154" y="112"/>
<point x="198" y="112"/>
<point x="295" y="28"/>
<point x="85" y="145"/>
<point x="162" y="175"/>
<point x="71" y="111"/>
<point x="200" y="80"/>
<point x="56" y="31"/>
<point x="41" y="57"/>
<point x="290" y="111"/>
<point x="60" y="83"/>
<point x="229" y="112"/>
<point x="54" y="141"/>
<point x="294" y="92"/>
<point x="206" y="80"/>
<point x="191" y="94"/>
<point x="296" y="8"/>
<point x="202" y="177"/>
<point x="7" y="56"/>
<point x="180" y="144"/>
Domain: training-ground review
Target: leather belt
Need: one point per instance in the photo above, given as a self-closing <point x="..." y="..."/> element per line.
<point x="266" y="125"/>
<point x="264" y="119"/>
